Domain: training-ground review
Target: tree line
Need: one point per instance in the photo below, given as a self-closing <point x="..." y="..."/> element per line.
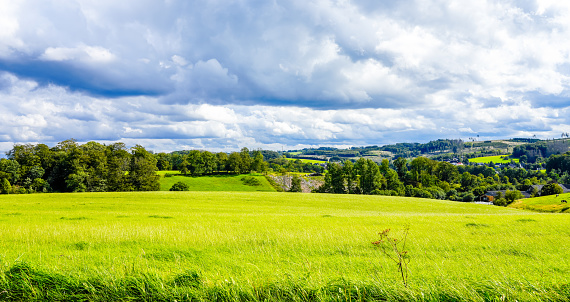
<point x="95" y="167"/>
<point x="426" y="178"/>
<point x="71" y="167"/>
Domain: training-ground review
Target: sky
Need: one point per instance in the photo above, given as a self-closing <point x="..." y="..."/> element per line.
<point x="281" y="74"/>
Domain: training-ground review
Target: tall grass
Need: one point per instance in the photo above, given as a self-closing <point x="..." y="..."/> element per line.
<point x="165" y="246"/>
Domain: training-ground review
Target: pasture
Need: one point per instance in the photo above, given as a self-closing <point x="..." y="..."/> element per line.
<point x="498" y="159"/>
<point x="549" y="204"/>
<point x="274" y="246"/>
<point x="223" y="182"/>
<point x="310" y="161"/>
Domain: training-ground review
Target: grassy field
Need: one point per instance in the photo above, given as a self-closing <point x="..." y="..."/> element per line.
<point x="229" y="183"/>
<point x="166" y="246"/>
<point x="549" y="204"/>
<point x="310" y="161"/>
<point x="495" y="159"/>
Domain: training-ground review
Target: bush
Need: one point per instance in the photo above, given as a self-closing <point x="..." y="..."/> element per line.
<point x="551" y="189"/>
<point x="436" y="192"/>
<point x="168" y="175"/>
<point x="250" y="181"/>
<point x="179" y="186"/>
<point x="511" y="196"/>
<point x="468" y="197"/>
<point x="500" y="202"/>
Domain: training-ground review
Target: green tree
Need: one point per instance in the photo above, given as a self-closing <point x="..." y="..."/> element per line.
<point x="118" y="161"/>
<point x="234" y="163"/>
<point x="6" y="187"/>
<point x="401" y="168"/>
<point x="551" y="189"/>
<point x="350" y="176"/>
<point x="184" y="166"/>
<point x="210" y="162"/>
<point x="195" y="162"/>
<point x="513" y="195"/>
<point x="257" y="163"/>
<point x="222" y="159"/>
<point x="296" y="184"/>
<point x="142" y="170"/>
<point x="337" y="178"/>
<point x="246" y="160"/>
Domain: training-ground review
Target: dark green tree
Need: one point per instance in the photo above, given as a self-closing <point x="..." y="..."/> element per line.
<point x="401" y="167"/>
<point x="296" y="184"/>
<point x="351" y="176"/>
<point x="5" y="188"/>
<point x="551" y="189"/>
<point x="142" y="170"/>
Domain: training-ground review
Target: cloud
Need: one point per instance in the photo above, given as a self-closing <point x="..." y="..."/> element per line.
<point x="273" y="73"/>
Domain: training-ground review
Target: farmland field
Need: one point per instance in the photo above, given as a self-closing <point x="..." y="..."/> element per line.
<point x="498" y="159"/>
<point x="225" y="182"/>
<point x="288" y="246"/>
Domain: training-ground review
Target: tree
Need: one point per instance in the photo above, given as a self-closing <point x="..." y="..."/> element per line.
<point x="551" y="189"/>
<point x="257" y="164"/>
<point x="296" y="184"/>
<point x="118" y="161"/>
<point x="184" y="166"/>
<point x="513" y="195"/>
<point x="142" y="170"/>
<point x="246" y="160"/>
<point x="337" y="178"/>
<point x="195" y="162"/>
<point x="234" y="163"/>
<point x="350" y="176"/>
<point x="6" y="188"/>
<point x="401" y="168"/>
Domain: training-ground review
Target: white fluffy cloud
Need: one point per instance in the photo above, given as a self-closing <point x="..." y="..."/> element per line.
<point x="224" y="74"/>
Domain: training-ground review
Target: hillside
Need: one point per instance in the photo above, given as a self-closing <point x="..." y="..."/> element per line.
<point x="548" y="204"/>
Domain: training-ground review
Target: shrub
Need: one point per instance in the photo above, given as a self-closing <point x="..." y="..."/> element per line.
<point x="250" y="181"/>
<point x="436" y="192"/>
<point x="179" y="186"/>
<point x="511" y="196"/>
<point x="500" y="202"/>
<point x="551" y="189"/>
<point x="468" y="197"/>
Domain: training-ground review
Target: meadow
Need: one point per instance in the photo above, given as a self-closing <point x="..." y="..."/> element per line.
<point x="167" y="246"/>
<point x="548" y="204"/>
<point x="498" y="159"/>
<point x="310" y="161"/>
<point x="222" y="182"/>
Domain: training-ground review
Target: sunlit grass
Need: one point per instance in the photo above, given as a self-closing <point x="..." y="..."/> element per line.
<point x="310" y="161"/>
<point x="264" y="238"/>
<point x="498" y="159"/>
<point x="223" y="182"/>
<point x="549" y="203"/>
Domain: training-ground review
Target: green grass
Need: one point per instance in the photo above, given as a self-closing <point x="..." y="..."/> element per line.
<point x="231" y="246"/>
<point x="498" y="159"/>
<point x="229" y="183"/>
<point x="550" y="204"/>
<point x="310" y="161"/>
